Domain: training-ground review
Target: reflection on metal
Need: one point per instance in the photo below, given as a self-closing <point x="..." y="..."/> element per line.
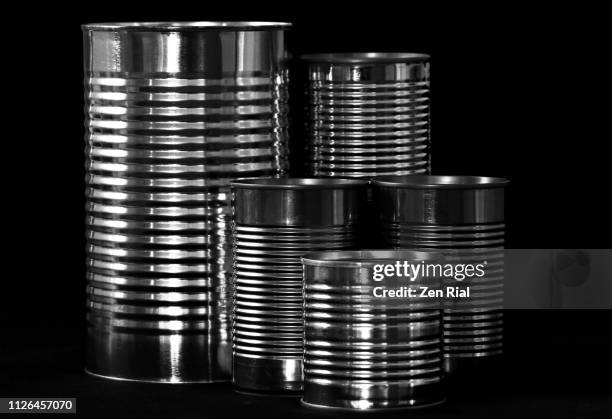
<point x="368" y="114"/>
<point x="363" y="352"/>
<point x="174" y="112"/>
<point x="276" y="222"/>
<point x="463" y="214"/>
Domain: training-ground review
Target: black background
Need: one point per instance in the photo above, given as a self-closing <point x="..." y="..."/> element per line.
<point x="516" y="92"/>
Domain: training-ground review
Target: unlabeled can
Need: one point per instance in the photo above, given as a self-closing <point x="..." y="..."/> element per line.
<point x="367" y="114"/>
<point x="464" y="216"/>
<point x="276" y="222"/>
<point x="362" y="352"/>
<point x="174" y="111"/>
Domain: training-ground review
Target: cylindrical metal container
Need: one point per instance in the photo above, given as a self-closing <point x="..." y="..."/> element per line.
<point x="465" y="216"/>
<point x="367" y="114"/>
<point x="363" y="352"/>
<point x="174" y="112"/>
<point x="276" y="222"/>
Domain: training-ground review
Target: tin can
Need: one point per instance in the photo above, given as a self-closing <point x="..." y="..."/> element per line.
<point x="174" y="111"/>
<point x="276" y="222"/>
<point x="362" y="352"/>
<point x="463" y="216"/>
<point x="367" y="114"/>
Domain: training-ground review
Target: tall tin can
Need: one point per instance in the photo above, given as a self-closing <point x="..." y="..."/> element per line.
<point x="174" y="111"/>
<point x="277" y="221"/>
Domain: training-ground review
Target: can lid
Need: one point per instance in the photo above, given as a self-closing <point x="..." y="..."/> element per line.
<point x="440" y="182"/>
<point x="365" y="57"/>
<point x="297" y="183"/>
<point x="183" y="26"/>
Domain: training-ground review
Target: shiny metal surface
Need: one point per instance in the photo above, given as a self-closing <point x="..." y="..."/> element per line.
<point x="368" y="114"/>
<point x="464" y="214"/>
<point x="174" y="112"/>
<point x="276" y="222"/>
<point x="362" y="352"/>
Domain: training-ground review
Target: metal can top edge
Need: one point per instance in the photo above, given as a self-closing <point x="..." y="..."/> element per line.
<point x="365" y="57"/>
<point x="440" y="182"/>
<point x="184" y="26"/>
<point x="298" y="183"/>
<point x="366" y="258"/>
<point x="293" y="202"/>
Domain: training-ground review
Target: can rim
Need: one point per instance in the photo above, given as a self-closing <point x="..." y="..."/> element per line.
<point x="297" y="183"/>
<point x="440" y="182"/>
<point x="365" y="57"/>
<point x="187" y="25"/>
<point x="366" y="257"/>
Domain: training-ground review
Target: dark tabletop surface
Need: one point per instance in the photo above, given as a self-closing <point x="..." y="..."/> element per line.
<point x="556" y="365"/>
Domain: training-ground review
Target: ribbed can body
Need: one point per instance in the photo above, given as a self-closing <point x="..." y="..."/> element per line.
<point x="463" y="216"/>
<point x="276" y="222"/>
<point x="174" y="112"/>
<point x="367" y="114"/>
<point x="363" y="352"/>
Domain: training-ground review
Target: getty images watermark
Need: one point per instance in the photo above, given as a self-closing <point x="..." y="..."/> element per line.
<point x="427" y="280"/>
